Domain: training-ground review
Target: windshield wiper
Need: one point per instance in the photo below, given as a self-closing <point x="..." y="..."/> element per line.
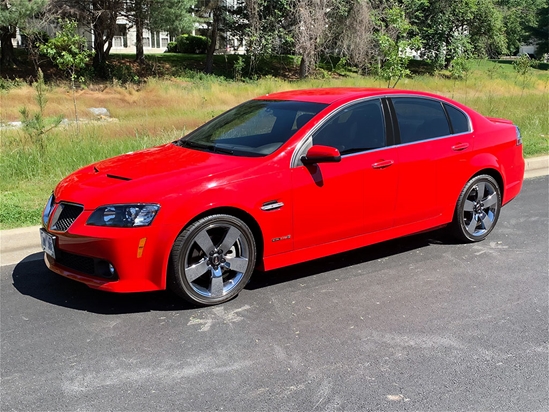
<point x="202" y="146"/>
<point x="218" y="149"/>
<point x="194" y="145"/>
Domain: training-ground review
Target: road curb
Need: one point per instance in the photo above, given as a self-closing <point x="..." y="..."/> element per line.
<point x="17" y="244"/>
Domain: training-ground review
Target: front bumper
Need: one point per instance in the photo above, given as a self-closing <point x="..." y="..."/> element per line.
<point x="83" y="253"/>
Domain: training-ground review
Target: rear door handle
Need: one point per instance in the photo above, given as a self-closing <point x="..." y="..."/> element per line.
<point x="382" y="164"/>
<point x="460" y="146"/>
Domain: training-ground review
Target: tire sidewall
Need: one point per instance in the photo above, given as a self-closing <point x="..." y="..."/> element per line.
<point x="462" y="231"/>
<point x="179" y="259"/>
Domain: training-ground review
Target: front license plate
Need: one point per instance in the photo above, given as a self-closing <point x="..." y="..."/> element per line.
<point x="48" y="242"/>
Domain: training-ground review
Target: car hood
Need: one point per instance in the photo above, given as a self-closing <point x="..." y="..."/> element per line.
<point x="149" y="176"/>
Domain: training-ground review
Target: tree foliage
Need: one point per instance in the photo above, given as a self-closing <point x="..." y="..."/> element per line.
<point x="361" y="33"/>
<point x="15" y="14"/>
<point x="67" y="50"/>
<point x="395" y="45"/>
<point x="157" y="15"/>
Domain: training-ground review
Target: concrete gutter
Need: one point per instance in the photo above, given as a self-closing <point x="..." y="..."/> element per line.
<point x="18" y="244"/>
<point x="537" y="166"/>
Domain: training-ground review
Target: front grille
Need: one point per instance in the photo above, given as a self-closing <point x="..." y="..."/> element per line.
<point x="84" y="264"/>
<point x="65" y="216"/>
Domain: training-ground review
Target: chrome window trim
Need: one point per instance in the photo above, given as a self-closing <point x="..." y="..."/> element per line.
<point x="306" y="141"/>
<point x="430" y="140"/>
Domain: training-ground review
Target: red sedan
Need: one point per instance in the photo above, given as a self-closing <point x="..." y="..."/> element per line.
<point x="281" y="179"/>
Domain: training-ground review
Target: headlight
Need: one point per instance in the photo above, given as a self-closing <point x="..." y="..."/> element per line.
<point x="124" y="215"/>
<point x="47" y="211"/>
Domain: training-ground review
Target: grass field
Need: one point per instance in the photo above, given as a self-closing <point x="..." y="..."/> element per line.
<point x="161" y="110"/>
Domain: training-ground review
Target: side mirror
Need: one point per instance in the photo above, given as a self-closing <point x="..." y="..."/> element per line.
<point x="321" y="154"/>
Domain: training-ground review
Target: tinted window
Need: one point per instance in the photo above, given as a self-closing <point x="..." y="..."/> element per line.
<point x="354" y="129"/>
<point x="460" y="122"/>
<point x="255" y="128"/>
<point x="420" y="119"/>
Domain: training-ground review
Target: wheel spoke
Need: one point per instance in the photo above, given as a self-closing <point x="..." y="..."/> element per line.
<point x="203" y="240"/>
<point x="480" y="190"/>
<point x="490" y="200"/>
<point x="195" y="271"/>
<point x="473" y="224"/>
<point x="486" y="220"/>
<point x="468" y="206"/>
<point x="216" y="288"/>
<point x="238" y="264"/>
<point x="230" y="238"/>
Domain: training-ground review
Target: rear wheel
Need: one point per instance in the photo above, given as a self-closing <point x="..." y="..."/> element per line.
<point x="477" y="209"/>
<point x="212" y="260"/>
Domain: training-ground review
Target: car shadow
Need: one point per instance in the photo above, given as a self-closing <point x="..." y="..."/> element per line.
<point x="350" y="258"/>
<point x="32" y="278"/>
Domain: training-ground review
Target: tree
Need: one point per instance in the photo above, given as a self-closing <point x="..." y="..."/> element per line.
<point x="395" y="45"/>
<point x="519" y="16"/>
<point x="157" y="15"/>
<point x="356" y="40"/>
<point x="265" y="26"/>
<point x="15" y="14"/>
<point x="540" y="29"/>
<point x="36" y="125"/>
<point x="100" y="15"/>
<point x="308" y="33"/>
<point x="67" y="50"/>
<point x="487" y="31"/>
<point x="217" y="12"/>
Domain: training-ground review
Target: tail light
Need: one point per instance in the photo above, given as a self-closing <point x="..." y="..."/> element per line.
<point x="519" y="136"/>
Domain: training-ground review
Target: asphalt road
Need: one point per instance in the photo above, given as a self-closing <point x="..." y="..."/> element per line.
<point x="419" y="323"/>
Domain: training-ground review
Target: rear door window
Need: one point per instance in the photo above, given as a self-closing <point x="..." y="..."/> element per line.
<point x="420" y="119"/>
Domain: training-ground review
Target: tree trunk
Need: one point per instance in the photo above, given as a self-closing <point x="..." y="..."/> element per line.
<point x="139" y="53"/>
<point x="8" y="55"/>
<point x="303" y="72"/>
<point x="213" y="40"/>
<point x="99" y="48"/>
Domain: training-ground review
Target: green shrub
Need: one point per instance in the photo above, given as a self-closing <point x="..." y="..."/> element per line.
<point x="172" y="47"/>
<point x="190" y="44"/>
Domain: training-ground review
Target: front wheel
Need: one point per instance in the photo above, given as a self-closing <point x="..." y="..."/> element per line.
<point x="477" y="209"/>
<point x="212" y="260"/>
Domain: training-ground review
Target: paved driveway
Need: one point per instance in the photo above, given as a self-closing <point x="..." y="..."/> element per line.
<point x="414" y="324"/>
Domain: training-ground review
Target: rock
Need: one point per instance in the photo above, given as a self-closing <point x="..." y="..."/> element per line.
<point x="100" y="111"/>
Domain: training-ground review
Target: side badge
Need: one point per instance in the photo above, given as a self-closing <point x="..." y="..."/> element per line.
<point x="271" y="205"/>
<point x="278" y="239"/>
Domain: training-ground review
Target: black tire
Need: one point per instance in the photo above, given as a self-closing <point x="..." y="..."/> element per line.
<point x="477" y="209"/>
<point x="212" y="260"/>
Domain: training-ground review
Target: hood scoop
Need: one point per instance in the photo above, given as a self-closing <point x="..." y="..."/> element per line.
<point x="118" y="177"/>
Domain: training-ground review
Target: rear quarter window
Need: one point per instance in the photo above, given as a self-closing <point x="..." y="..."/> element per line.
<point x="459" y="120"/>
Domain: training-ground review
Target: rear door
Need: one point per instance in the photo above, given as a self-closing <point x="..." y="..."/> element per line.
<point x="432" y="158"/>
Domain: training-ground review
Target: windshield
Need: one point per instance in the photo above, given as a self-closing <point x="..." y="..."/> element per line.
<point x="254" y="128"/>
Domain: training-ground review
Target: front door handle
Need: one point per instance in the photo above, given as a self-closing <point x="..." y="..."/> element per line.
<point x="460" y="146"/>
<point x="382" y="164"/>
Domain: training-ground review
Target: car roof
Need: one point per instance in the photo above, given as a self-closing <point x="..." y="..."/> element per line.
<point x="334" y="94"/>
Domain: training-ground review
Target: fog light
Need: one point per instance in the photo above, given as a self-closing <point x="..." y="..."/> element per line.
<point x="111" y="269"/>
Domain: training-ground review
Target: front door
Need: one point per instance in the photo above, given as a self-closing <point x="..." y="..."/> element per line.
<point x="336" y="201"/>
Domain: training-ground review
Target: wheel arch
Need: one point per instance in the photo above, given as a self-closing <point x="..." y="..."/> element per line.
<point x="247" y="218"/>
<point x="495" y="174"/>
